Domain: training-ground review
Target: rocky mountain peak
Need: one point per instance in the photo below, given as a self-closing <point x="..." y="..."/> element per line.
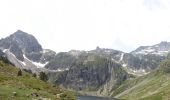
<point x="20" y="43"/>
<point x="164" y="43"/>
<point x="18" y="35"/>
<point x="163" y="48"/>
<point x="20" y="32"/>
<point x="24" y="41"/>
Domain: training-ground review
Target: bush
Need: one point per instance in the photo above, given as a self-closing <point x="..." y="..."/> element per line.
<point x="43" y="76"/>
<point x="19" y="73"/>
<point x="34" y="75"/>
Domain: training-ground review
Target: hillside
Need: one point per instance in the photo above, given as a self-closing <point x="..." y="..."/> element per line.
<point x="27" y="87"/>
<point x="154" y="86"/>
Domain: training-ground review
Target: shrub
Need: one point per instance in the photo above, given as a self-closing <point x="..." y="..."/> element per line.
<point x="19" y="73"/>
<point x="43" y="76"/>
<point x="34" y="75"/>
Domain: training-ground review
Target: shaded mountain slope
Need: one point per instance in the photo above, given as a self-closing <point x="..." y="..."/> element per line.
<point x="91" y="73"/>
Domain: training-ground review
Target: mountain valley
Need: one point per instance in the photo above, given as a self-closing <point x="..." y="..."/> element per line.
<point x="142" y="74"/>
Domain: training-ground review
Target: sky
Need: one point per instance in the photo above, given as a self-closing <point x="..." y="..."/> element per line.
<point x="63" y="25"/>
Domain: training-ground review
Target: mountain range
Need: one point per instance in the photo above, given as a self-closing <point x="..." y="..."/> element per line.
<point x="97" y="72"/>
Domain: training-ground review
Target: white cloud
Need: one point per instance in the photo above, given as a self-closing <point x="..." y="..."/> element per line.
<point x="62" y="25"/>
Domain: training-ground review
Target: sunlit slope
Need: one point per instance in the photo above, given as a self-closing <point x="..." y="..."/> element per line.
<point x="27" y="87"/>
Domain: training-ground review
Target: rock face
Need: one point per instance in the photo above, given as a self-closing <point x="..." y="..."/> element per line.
<point x="91" y="73"/>
<point x="1" y="53"/>
<point x="142" y="62"/>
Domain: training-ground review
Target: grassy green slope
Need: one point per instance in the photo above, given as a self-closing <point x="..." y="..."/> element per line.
<point x="154" y="86"/>
<point x="26" y="86"/>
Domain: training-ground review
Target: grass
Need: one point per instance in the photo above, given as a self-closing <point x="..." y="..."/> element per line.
<point x="26" y="85"/>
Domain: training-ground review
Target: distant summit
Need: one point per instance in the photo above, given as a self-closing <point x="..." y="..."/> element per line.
<point x="162" y="49"/>
<point x="20" y="32"/>
<point x="26" y="41"/>
<point x="24" y="51"/>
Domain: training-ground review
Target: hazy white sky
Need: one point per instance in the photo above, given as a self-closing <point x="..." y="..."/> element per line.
<point x="62" y="25"/>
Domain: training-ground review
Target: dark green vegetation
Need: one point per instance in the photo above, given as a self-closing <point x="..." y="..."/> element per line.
<point x="43" y="76"/>
<point x="154" y="86"/>
<point x="20" y="85"/>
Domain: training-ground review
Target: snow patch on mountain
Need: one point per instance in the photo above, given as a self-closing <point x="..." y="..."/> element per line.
<point x="124" y="65"/>
<point x="136" y="72"/>
<point x="45" y="51"/>
<point x="59" y="70"/>
<point x="21" y="62"/>
<point x="115" y="60"/>
<point x="38" y="64"/>
<point x="5" y="50"/>
<point x="121" y="57"/>
<point x="152" y="51"/>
